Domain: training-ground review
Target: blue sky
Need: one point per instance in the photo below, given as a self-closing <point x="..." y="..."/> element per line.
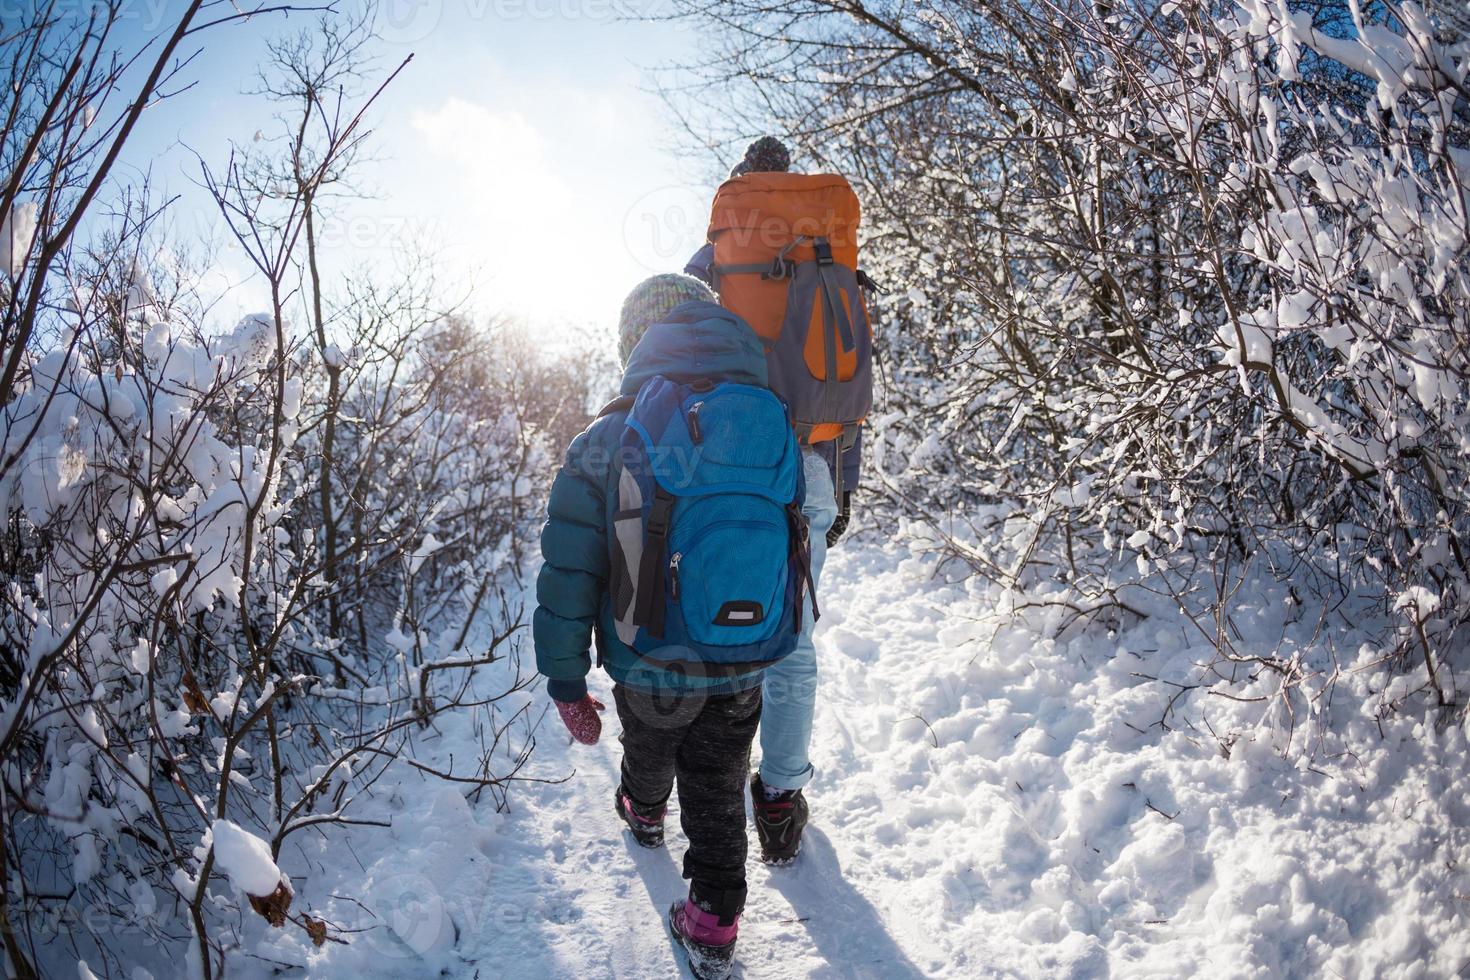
<point x="521" y="145"/>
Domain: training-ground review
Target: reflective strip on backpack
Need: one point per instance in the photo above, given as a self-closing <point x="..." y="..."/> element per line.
<point x="628" y="553"/>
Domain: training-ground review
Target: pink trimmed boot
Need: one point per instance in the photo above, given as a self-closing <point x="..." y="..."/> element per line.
<point x="647" y="824"/>
<point x="708" y="941"/>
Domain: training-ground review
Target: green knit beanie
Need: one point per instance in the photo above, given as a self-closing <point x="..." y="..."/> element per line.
<point x="651" y="301"/>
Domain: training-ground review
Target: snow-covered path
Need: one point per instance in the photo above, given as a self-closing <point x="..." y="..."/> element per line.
<point x="568" y="894"/>
<point x="988" y="803"/>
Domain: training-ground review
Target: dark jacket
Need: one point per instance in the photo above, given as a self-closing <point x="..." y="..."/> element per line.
<point x="698" y="340"/>
<point x="701" y="265"/>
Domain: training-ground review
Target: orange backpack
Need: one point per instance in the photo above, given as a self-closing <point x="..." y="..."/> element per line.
<point x="786" y="262"/>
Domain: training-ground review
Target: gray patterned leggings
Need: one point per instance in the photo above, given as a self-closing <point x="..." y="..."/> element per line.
<point x="703" y="744"/>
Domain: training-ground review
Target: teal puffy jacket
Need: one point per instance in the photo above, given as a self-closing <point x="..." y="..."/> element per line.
<point x="697" y="340"/>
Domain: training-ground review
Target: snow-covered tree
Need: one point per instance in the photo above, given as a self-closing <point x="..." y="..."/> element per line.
<point x="240" y="562"/>
<point x="1179" y="288"/>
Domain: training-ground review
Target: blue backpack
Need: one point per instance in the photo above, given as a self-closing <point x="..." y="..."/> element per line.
<point x="710" y="560"/>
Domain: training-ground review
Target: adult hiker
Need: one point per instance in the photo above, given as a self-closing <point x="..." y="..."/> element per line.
<point x="782" y="252"/>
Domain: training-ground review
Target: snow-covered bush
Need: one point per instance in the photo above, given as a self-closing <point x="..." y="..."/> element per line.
<point x="1177" y="291"/>
<point x="239" y="562"/>
<point x="170" y="657"/>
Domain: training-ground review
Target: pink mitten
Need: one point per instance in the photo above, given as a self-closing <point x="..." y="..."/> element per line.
<point x="581" y="718"/>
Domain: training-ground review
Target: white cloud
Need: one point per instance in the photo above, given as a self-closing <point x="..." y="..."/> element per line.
<point x="552" y="208"/>
<point x="515" y="204"/>
<point x="497" y="164"/>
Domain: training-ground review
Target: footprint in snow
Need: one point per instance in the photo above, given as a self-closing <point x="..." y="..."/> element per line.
<point x="852" y="645"/>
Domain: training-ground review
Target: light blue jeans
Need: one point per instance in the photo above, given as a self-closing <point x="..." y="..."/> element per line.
<point x="790" y="687"/>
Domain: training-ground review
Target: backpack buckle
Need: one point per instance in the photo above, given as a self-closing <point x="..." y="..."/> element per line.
<point x="657" y="525"/>
<point x="781" y="268"/>
<point x="823" y="248"/>
<point x="800" y="524"/>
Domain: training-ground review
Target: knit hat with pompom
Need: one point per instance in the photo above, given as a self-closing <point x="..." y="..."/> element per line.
<point x="765" y="155"/>
<point x="652" y="300"/>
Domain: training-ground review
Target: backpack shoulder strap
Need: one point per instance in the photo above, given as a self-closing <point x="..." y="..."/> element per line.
<point x="619" y="404"/>
<point x="648" y="609"/>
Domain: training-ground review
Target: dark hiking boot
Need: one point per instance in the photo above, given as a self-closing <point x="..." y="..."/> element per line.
<point x="709" y="945"/>
<point x="646" y="823"/>
<point x="778" y="822"/>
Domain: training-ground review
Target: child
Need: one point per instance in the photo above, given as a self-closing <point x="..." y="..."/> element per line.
<point x="687" y="727"/>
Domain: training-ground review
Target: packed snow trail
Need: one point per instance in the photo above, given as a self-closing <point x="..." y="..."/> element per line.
<point x="988" y="802"/>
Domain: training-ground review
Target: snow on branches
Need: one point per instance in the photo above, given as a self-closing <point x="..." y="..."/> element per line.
<point x="240" y="563"/>
<point x="1179" y="293"/>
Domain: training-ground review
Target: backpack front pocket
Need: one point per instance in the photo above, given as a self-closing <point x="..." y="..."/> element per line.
<point x="728" y="569"/>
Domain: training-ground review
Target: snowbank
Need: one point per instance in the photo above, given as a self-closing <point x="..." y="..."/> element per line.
<point x="989" y="802"/>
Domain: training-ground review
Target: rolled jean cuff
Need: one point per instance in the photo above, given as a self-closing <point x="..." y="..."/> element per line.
<point x="786" y="781"/>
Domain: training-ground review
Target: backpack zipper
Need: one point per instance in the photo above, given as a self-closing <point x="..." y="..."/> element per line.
<point x="678" y="556"/>
<point x="692" y="417"/>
